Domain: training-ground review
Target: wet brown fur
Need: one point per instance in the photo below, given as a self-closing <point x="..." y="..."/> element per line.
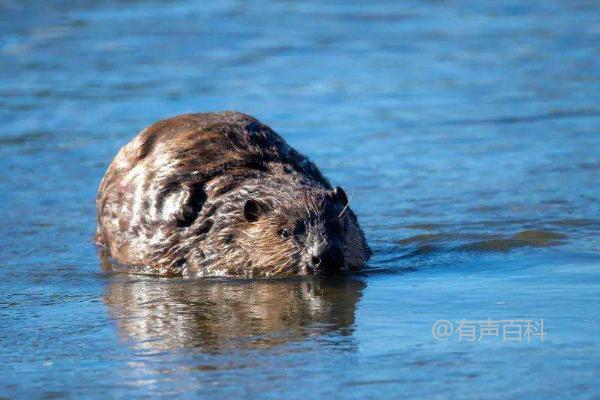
<point x="209" y="194"/>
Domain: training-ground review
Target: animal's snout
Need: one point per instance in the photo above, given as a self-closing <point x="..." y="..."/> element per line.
<point x="329" y="259"/>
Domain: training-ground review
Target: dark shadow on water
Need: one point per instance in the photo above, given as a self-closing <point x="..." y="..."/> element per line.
<point x="521" y="239"/>
<point x="425" y="244"/>
<point x="449" y="249"/>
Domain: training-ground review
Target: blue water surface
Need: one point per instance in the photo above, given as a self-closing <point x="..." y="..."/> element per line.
<point x="467" y="134"/>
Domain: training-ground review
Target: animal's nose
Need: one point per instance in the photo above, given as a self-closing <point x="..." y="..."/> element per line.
<point x="329" y="260"/>
<point x="316" y="261"/>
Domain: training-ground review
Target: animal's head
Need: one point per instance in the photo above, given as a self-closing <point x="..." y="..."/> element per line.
<point x="301" y="231"/>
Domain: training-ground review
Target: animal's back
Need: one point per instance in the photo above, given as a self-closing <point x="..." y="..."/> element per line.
<point x="158" y="183"/>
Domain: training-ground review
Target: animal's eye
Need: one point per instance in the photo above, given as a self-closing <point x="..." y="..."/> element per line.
<point x="284" y="233"/>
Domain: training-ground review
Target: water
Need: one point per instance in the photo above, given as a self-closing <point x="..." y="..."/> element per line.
<point x="466" y="133"/>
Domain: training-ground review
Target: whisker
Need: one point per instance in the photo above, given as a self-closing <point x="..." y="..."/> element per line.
<point x="345" y="207"/>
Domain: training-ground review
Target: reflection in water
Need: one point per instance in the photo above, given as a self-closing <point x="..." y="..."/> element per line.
<point x="159" y="314"/>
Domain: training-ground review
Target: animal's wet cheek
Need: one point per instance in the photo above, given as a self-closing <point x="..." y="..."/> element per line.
<point x="335" y="228"/>
<point x="338" y="241"/>
<point x="298" y="255"/>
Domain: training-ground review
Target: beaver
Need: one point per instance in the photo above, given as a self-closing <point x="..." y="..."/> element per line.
<point x="222" y="194"/>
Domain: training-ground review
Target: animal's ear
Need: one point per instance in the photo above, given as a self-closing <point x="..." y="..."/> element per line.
<point x="340" y="196"/>
<point x="253" y="209"/>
